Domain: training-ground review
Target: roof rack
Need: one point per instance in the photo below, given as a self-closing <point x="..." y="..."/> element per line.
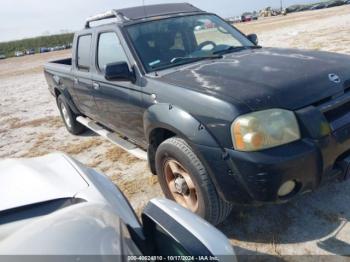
<point x="144" y="12"/>
<point x="107" y="15"/>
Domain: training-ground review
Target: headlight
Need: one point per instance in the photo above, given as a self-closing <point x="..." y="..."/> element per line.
<point x="264" y="129"/>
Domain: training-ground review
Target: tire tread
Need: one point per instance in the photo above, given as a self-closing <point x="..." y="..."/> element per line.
<point x="76" y="128"/>
<point x="220" y="209"/>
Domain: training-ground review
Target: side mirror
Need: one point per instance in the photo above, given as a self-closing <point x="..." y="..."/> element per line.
<point x="253" y="38"/>
<point x="175" y="231"/>
<point x="119" y="72"/>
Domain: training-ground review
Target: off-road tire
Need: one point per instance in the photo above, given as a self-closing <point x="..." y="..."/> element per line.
<point x="211" y="207"/>
<point x="75" y="127"/>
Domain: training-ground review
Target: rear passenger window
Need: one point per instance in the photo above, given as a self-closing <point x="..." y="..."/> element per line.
<point x="109" y="50"/>
<point x="84" y="50"/>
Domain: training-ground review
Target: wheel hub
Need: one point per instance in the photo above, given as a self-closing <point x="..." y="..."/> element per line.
<point x="181" y="185"/>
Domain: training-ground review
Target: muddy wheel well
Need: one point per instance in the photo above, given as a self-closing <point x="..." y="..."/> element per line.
<point x="156" y="137"/>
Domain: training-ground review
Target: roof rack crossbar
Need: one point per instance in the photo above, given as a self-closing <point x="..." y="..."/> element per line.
<point x="107" y="15"/>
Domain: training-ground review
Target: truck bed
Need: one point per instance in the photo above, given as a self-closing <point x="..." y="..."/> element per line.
<point x="62" y="65"/>
<point x="66" y="61"/>
<point x="58" y="71"/>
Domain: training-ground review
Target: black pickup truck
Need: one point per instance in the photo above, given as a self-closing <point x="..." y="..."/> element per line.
<point x="222" y="119"/>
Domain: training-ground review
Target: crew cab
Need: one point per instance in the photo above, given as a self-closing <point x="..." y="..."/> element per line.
<point x="223" y="120"/>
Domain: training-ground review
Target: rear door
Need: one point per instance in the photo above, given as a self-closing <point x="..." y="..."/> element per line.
<point x="119" y="103"/>
<point x="82" y="76"/>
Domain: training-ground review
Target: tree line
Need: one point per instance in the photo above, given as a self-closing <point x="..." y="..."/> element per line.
<point x="9" y="48"/>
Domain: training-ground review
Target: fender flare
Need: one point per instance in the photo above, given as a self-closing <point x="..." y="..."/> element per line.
<point x="186" y="126"/>
<point x="64" y="91"/>
<point x="178" y="121"/>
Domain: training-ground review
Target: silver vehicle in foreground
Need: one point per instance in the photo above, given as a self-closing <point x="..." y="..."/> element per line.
<point x="54" y="205"/>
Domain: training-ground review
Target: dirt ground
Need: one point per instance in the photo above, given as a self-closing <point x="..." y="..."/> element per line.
<point x="315" y="224"/>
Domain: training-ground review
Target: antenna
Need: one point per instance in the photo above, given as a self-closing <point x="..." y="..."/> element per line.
<point x="144" y="8"/>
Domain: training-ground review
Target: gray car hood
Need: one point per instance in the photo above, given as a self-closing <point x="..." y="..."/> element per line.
<point x="25" y="182"/>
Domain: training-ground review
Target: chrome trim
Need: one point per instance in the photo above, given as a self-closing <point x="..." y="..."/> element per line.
<point x="114" y="138"/>
<point x="107" y="15"/>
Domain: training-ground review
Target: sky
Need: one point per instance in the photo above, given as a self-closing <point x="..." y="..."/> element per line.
<point x="27" y="18"/>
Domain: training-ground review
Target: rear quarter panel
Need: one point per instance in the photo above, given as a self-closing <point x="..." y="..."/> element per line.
<point x="61" y="77"/>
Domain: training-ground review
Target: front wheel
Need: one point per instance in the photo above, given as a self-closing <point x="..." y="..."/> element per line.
<point x="184" y="179"/>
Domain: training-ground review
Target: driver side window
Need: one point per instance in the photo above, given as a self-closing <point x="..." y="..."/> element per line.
<point x="109" y="50"/>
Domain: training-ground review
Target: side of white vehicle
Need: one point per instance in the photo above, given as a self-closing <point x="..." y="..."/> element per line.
<point x="54" y="205"/>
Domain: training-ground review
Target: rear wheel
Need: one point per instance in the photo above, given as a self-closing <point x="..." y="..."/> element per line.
<point x="68" y="117"/>
<point x="184" y="179"/>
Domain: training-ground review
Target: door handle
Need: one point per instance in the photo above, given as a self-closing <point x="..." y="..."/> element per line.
<point x="96" y="86"/>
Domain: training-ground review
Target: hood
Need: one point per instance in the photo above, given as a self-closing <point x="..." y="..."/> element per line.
<point x="267" y="77"/>
<point x="31" y="181"/>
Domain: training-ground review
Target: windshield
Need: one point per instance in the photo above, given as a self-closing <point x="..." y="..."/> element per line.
<point x="169" y="42"/>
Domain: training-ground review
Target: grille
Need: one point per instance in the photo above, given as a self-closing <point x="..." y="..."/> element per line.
<point x="347" y="85"/>
<point x="337" y="111"/>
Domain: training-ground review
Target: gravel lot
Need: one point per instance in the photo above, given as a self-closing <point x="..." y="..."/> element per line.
<point x="316" y="223"/>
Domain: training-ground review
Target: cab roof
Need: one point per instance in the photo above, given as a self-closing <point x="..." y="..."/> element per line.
<point x="141" y="12"/>
<point x="144" y="12"/>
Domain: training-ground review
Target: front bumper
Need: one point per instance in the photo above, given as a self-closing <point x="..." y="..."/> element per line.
<point x="255" y="177"/>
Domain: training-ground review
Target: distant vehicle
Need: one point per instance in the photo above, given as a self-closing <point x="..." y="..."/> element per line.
<point x="209" y="25"/>
<point x="268" y="11"/>
<point x="247" y="17"/>
<point x="58" y="48"/>
<point x="235" y="19"/>
<point x="199" y="28"/>
<point x="30" y="51"/>
<point x="238" y="19"/>
<point x="297" y="8"/>
<point x="316" y="6"/>
<point x="44" y="49"/>
<point x="2" y="56"/>
<point x="19" y="53"/>
<point x="65" y="208"/>
<point x="335" y="3"/>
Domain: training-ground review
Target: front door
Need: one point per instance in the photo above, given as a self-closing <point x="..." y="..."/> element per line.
<point x="119" y="102"/>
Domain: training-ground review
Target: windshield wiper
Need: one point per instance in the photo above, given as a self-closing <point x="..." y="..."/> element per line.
<point x="194" y="58"/>
<point x="230" y="49"/>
